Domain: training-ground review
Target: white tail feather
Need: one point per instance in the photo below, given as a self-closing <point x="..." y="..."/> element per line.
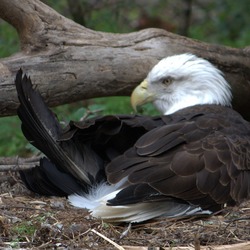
<point x="145" y="211"/>
<point x="96" y="202"/>
<point x="96" y="196"/>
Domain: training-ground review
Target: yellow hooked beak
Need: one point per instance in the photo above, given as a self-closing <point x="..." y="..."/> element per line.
<point x="141" y="95"/>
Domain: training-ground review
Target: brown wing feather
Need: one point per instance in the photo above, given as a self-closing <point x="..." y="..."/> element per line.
<point x="201" y="156"/>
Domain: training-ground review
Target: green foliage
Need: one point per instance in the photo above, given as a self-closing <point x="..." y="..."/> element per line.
<point x="99" y="106"/>
<point x="114" y="105"/>
<point x="27" y="229"/>
<point x="8" y="39"/>
<point x="226" y="22"/>
<point x="12" y="140"/>
<point x="24" y="228"/>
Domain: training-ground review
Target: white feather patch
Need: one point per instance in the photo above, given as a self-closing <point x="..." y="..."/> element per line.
<point x="96" y="202"/>
<point x="145" y="211"/>
<point x="97" y="195"/>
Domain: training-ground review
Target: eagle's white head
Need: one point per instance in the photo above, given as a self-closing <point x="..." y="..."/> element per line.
<point x="180" y="81"/>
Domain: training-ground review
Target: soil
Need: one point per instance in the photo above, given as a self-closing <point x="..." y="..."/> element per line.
<point x="30" y="221"/>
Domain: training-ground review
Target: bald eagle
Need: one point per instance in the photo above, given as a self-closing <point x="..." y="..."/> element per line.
<point x="193" y="159"/>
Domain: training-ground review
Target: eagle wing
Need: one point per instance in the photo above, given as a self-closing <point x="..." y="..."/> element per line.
<point x="200" y="157"/>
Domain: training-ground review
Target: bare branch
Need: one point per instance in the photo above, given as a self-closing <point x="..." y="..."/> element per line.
<point x="16" y="163"/>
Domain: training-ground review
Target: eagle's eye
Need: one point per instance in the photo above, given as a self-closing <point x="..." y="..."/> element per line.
<point x="167" y="81"/>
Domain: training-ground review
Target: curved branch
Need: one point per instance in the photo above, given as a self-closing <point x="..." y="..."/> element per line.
<point x="69" y="62"/>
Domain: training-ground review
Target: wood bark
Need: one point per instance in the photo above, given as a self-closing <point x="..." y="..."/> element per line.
<point x="16" y="163"/>
<point x="69" y="62"/>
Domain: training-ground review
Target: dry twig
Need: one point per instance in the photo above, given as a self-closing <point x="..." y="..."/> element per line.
<point x="17" y="163"/>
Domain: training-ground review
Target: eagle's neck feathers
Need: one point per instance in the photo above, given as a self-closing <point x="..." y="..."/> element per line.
<point x="194" y="81"/>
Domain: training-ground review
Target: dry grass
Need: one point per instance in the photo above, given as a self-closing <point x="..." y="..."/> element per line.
<point x="28" y="221"/>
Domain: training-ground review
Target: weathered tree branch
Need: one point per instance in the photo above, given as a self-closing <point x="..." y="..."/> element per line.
<point x="17" y="163"/>
<point x="69" y="62"/>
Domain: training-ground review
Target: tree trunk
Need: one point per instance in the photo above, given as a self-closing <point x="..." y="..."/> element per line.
<point x="69" y="62"/>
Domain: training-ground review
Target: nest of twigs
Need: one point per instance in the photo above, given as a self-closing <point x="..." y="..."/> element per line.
<point x="30" y="221"/>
